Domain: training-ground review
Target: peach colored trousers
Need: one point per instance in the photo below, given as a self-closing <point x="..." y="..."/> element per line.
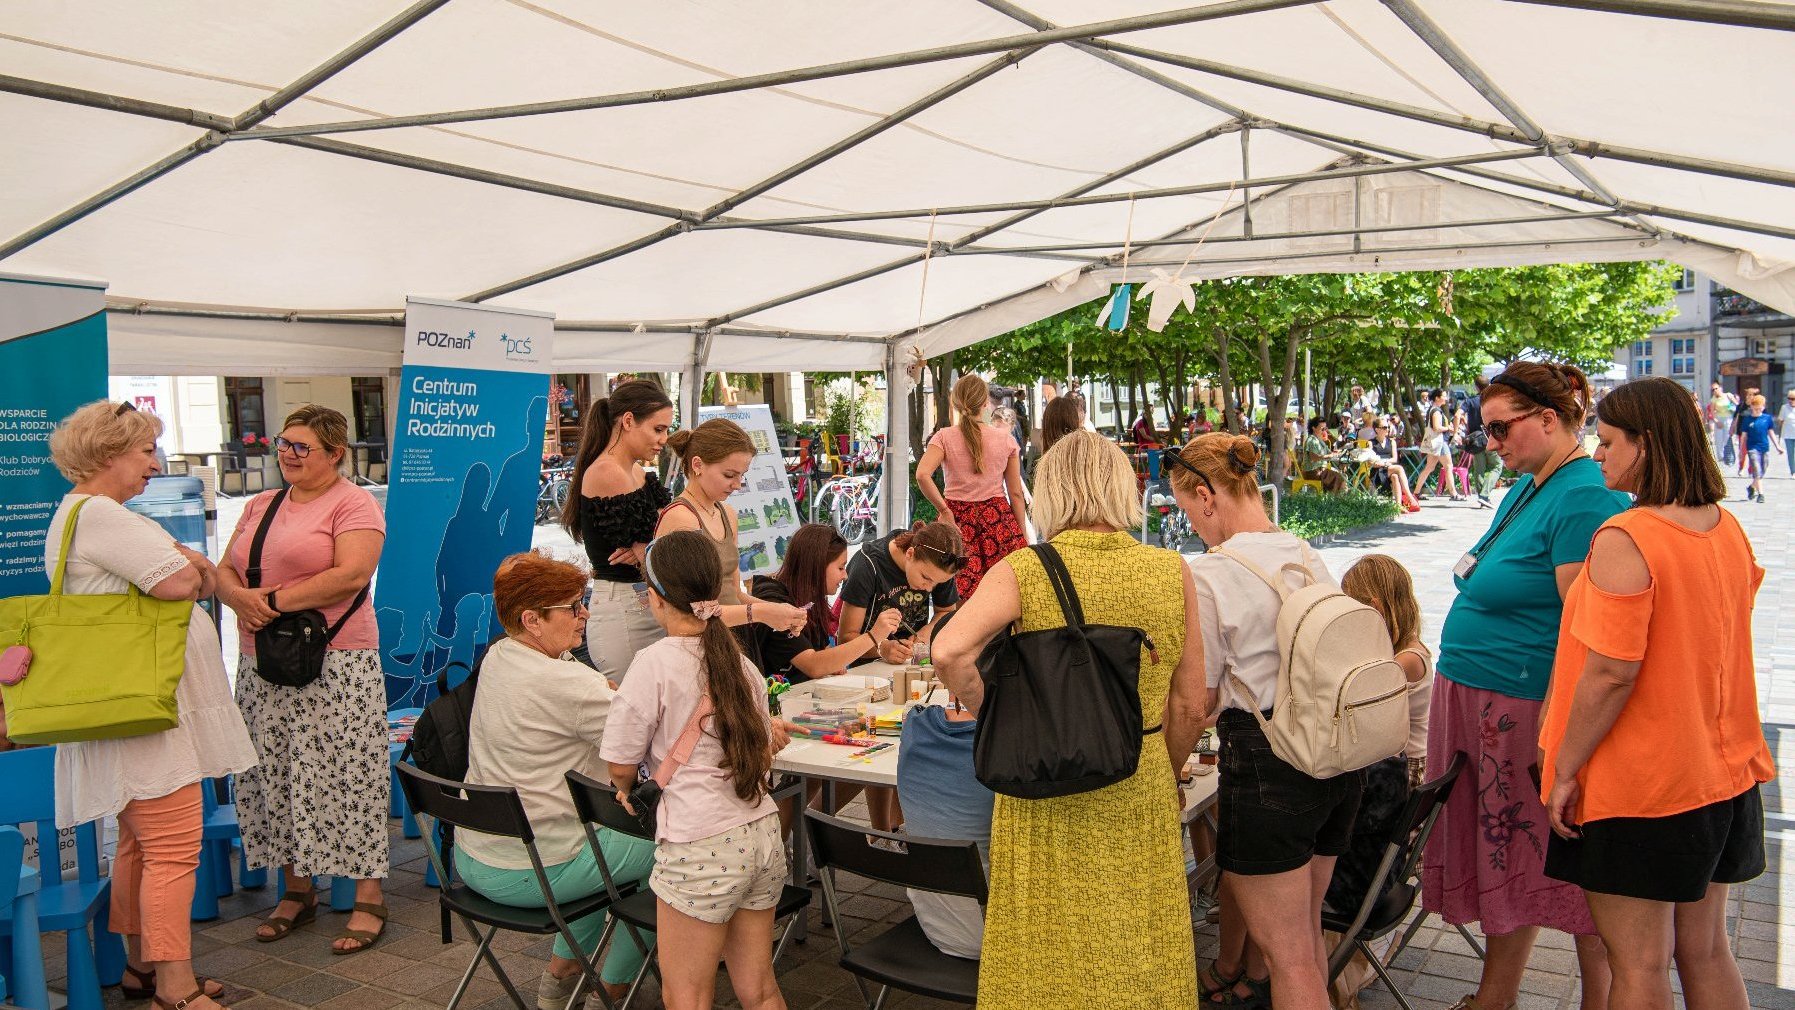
<point x="153" y="875"/>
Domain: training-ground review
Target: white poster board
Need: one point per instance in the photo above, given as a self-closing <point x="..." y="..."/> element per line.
<point x="766" y="516"/>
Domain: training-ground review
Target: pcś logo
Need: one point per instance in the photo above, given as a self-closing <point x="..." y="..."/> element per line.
<point x="515" y="347"/>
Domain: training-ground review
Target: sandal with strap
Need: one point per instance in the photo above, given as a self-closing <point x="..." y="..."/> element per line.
<point x="144" y="986"/>
<point x="191" y="999"/>
<point x="1470" y="1003"/>
<point x="1205" y="991"/>
<point x="363" y="938"/>
<point x="284" y="924"/>
<point x="1258" y="995"/>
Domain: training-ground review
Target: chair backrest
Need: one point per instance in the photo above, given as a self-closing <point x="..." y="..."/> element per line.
<point x="926" y="864"/>
<point x="12" y="861"/>
<point x="1411" y="831"/>
<point x="596" y="803"/>
<point x="30" y="798"/>
<point x="493" y="810"/>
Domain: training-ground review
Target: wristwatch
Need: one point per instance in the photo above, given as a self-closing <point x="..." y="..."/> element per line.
<point x="271" y="605"/>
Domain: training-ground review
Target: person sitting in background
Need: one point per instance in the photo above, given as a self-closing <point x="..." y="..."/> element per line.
<point x="815" y="566"/>
<point x="1200" y="424"/>
<point x="943" y="799"/>
<point x="540" y="713"/>
<point x="1141" y="432"/>
<point x="1312" y="457"/>
<point x="1383" y="446"/>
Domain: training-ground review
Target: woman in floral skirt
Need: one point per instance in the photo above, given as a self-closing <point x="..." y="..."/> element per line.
<point x="983" y="469"/>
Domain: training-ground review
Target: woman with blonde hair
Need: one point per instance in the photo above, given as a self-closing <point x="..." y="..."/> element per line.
<point x="715" y="457"/>
<point x="151" y="783"/>
<point x="983" y="467"/>
<point x="1049" y="856"/>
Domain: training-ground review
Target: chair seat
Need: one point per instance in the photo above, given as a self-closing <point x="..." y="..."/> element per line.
<point x="1386" y="916"/>
<point x="903" y="957"/>
<point x="221" y="822"/>
<point x="480" y="908"/>
<point x="65" y="906"/>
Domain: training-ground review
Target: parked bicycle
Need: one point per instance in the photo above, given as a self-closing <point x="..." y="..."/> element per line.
<point x="851" y="505"/>
<point x="556" y="485"/>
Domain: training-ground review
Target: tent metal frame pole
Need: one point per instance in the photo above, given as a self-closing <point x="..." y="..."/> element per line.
<point x="1430" y="32"/>
<point x="1060" y="202"/>
<point x="1592" y="149"/>
<point x="985" y="47"/>
<point x="1642" y="240"/>
<point x="985" y="232"/>
<point x="1738" y="13"/>
<point x="1346" y="145"/>
<point x="214" y="138"/>
<point x="1185" y="238"/>
<point x="114" y="103"/>
<point x="894" y="504"/>
<point x="717" y="210"/>
<point x="691" y="389"/>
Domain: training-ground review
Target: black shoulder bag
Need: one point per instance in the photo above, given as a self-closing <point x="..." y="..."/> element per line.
<point x="290" y="649"/>
<point x="1062" y="709"/>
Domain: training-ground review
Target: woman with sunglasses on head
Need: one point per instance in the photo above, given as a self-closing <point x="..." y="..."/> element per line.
<point x="317" y="802"/>
<point x="1484" y="863"/>
<point x="984" y="494"/>
<point x="538" y="715"/>
<point x="909" y="571"/>
<point x="1652" y="746"/>
<point x="612" y="512"/>
<point x="1382" y="444"/>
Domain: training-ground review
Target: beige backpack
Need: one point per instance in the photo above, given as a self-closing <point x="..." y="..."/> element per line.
<point x="1342" y="700"/>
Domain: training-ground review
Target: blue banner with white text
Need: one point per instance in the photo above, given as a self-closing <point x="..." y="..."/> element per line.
<point x="52" y="360"/>
<point x="465" y="469"/>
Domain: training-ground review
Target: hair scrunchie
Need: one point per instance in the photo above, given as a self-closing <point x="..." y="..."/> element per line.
<point x="704" y="610"/>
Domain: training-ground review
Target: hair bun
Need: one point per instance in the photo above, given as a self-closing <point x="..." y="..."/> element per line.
<point x="1243" y="455"/>
<point x="679" y="440"/>
<point x="917" y="526"/>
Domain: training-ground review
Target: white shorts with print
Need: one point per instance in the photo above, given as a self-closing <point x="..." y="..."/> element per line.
<point x="711" y="878"/>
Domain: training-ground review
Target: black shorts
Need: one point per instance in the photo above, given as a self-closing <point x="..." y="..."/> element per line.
<point x="1274" y="818"/>
<point x="1671" y="858"/>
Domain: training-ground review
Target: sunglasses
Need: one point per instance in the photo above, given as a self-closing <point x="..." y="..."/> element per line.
<point x="1498" y="430"/>
<point x="948" y="558"/>
<point x="124" y="408"/>
<point x="299" y="449"/>
<point x="1178" y="459"/>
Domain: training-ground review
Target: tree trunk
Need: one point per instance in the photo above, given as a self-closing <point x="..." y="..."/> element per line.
<point x="1230" y="415"/>
<point x="1134" y="409"/>
<point x="1329" y="390"/>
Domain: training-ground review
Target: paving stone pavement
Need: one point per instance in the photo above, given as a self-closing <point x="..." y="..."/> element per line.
<point x="411" y="969"/>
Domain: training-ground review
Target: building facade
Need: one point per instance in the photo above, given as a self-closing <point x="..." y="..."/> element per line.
<point x="1711" y="334"/>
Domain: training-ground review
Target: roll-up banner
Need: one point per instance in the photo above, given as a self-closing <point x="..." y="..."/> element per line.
<point x="465" y="472"/>
<point x="765" y="515"/>
<point x="52" y="360"/>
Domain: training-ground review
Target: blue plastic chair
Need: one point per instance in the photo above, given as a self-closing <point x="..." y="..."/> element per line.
<point x="72" y="906"/>
<point x="23" y="961"/>
<point x="221" y="837"/>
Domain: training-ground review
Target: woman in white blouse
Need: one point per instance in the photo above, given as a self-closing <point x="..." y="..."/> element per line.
<point x="539" y="714"/>
<point x="151" y="783"/>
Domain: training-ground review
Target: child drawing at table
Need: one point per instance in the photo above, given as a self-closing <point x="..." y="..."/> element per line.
<point x="719" y="862"/>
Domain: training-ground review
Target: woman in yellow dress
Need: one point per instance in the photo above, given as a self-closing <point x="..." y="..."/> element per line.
<point x="1088" y="905"/>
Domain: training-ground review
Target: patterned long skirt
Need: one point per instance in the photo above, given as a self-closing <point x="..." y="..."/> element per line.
<point x="318" y="799"/>
<point x="1486" y="860"/>
<point x="990" y="531"/>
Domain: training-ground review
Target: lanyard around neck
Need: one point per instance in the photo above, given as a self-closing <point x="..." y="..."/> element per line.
<point x="1489" y="539"/>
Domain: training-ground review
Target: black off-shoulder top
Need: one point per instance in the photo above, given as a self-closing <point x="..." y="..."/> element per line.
<point x="620" y="521"/>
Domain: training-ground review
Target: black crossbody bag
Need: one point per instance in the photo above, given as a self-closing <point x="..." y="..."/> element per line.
<point x="1062" y="708"/>
<point x="290" y="649"/>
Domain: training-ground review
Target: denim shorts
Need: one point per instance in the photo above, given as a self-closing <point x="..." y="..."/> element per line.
<point x="1274" y="818"/>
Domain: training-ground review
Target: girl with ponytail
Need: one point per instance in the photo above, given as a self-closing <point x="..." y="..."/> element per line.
<point x="719" y="863"/>
<point x="983" y="469"/>
<point x="612" y="513"/>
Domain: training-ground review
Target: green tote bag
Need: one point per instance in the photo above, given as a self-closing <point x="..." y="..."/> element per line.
<point x="101" y="666"/>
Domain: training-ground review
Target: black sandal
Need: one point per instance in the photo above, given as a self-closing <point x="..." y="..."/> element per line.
<point x="363" y="938"/>
<point x="283" y="924"/>
<point x="1258" y="995"/>
<point x="1205" y="992"/>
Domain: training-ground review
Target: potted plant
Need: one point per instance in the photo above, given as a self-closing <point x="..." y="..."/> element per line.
<point x="254" y="444"/>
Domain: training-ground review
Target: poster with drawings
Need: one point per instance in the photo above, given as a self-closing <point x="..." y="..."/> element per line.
<point x="766" y="516"/>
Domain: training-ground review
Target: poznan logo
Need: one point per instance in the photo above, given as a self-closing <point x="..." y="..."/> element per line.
<point x="433" y="338"/>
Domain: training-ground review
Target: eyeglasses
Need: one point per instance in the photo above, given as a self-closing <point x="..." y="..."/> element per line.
<point x="583" y="603"/>
<point x="299" y="449"/>
<point x="1498" y="430"/>
<point x="124" y="408"/>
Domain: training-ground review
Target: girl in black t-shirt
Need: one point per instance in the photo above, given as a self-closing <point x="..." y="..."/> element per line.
<point x="911" y="572"/>
<point x="816" y="564"/>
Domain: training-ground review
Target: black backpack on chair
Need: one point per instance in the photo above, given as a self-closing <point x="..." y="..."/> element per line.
<point x="1062" y="709"/>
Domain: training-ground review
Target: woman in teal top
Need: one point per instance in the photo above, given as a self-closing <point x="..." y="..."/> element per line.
<point x="1485" y="861"/>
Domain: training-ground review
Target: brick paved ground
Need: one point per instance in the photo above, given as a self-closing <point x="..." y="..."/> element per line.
<point x="410" y="969"/>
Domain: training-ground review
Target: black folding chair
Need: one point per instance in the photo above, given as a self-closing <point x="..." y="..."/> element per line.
<point x="1381" y="911"/>
<point x="496" y="810"/>
<point x="597" y="806"/>
<point x="901" y="957"/>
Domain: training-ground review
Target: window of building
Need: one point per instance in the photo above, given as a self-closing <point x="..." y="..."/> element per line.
<point x="1642" y="348"/>
<point x="245" y="407"/>
<point x="1765" y="348"/>
<point x="369" y="398"/>
<point x="1682" y="366"/>
<point x="1686" y="282"/>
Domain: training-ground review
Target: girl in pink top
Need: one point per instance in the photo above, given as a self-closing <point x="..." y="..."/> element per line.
<point x="983" y="470"/>
<point x="719" y="859"/>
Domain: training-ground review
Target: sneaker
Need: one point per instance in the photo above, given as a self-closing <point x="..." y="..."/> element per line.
<point x="1760" y="497"/>
<point x="553" y="993"/>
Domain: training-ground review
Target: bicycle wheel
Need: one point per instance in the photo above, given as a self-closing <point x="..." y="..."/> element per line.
<point x="841" y="516"/>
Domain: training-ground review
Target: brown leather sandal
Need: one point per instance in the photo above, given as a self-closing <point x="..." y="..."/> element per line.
<point x="283" y="924"/>
<point x="363" y="938"/>
<point x="184" y="1002"/>
<point x="144" y="984"/>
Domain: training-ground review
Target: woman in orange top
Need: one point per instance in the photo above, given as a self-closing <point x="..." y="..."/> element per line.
<point x="1652" y="748"/>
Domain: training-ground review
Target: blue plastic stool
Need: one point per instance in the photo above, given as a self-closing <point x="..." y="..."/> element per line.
<point x="21" y="962"/>
<point x="342" y="891"/>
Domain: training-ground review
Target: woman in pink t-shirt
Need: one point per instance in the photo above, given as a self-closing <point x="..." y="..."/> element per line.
<point x="983" y="470"/>
<point x="317" y="802"/>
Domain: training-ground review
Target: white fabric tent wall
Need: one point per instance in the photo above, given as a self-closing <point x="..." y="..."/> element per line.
<point x="754" y="187"/>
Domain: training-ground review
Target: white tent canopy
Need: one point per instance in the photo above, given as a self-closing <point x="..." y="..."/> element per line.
<point x="826" y="185"/>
